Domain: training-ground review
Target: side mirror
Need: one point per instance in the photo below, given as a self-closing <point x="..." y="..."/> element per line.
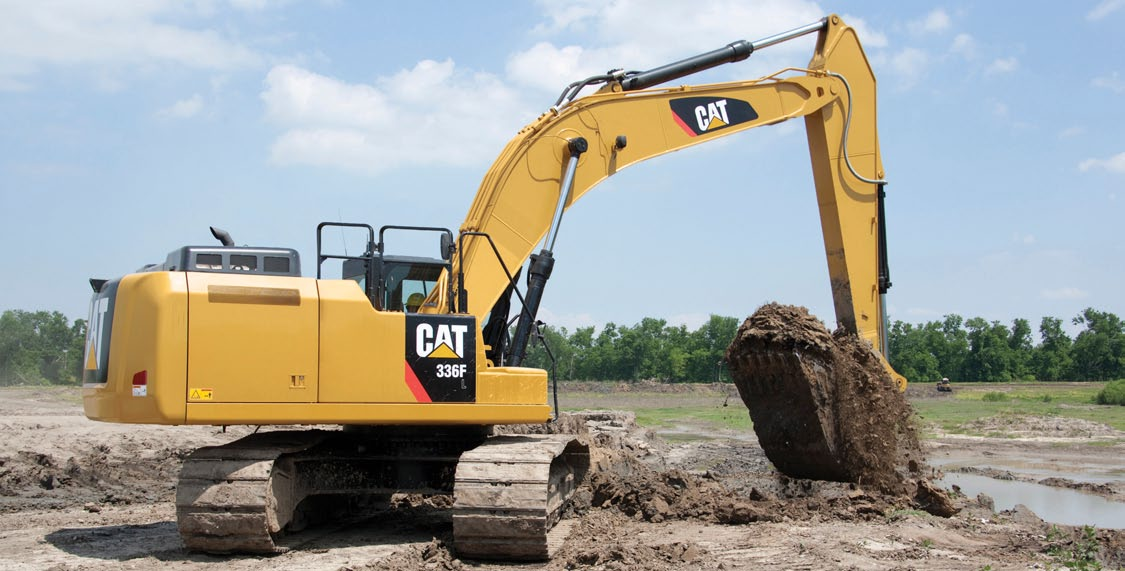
<point x="447" y="247"/>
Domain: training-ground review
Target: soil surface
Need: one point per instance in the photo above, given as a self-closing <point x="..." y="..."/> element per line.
<point x="81" y="495"/>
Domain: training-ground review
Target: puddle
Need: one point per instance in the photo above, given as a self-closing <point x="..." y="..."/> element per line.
<point x="1054" y="505"/>
<point x="1033" y="465"/>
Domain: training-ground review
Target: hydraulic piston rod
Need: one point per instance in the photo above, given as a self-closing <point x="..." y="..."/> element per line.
<point x="736" y="51"/>
<point x="539" y="270"/>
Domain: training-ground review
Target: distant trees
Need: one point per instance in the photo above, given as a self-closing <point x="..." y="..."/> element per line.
<point x="991" y="351"/>
<point x="40" y="347"/>
<point x="651" y="349"/>
<point x="1098" y="353"/>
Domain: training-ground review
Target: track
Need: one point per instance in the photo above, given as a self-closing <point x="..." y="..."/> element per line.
<point x="237" y="497"/>
<point x="510" y="492"/>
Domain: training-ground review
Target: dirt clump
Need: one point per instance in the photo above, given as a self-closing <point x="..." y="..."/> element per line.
<point x="823" y="405"/>
<point x="431" y="556"/>
<point x="97" y="476"/>
<point x="602" y="540"/>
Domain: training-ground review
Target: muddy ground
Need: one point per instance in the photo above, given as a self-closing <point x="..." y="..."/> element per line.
<point x="76" y="494"/>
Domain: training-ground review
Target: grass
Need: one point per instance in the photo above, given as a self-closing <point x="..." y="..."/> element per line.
<point x="731" y="418"/>
<point x="701" y="413"/>
<point x="972" y="401"/>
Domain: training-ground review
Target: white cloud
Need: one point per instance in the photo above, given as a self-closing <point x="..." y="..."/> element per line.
<point x="432" y="114"/>
<point x="1114" y="164"/>
<point x="1071" y="132"/>
<point x="183" y="108"/>
<point x="936" y="21"/>
<point x="572" y="15"/>
<point x="964" y="45"/>
<point x="909" y="64"/>
<point x="46" y="33"/>
<point x="1002" y="65"/>
<point x="438" y="114"/>
<point x="571" y="321"/>
<point x="1112" y="82"/>
<point x="545" y="66"/>
<point x="1105" y="8"/>
<point x="1064" y="293"/>
<point x="673" y="30"/>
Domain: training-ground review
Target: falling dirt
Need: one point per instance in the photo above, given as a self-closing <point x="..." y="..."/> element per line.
<point x="823" y="405"/>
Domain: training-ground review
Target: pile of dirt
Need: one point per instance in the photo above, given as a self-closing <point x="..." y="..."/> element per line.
<point x="600" y="541"/>
<point x="823" y="405"/>
<point x="96" y="477"/>
<point x="433" y="556"/>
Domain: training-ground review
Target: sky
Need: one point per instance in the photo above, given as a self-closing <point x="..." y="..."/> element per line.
<point x="127" y="128"/>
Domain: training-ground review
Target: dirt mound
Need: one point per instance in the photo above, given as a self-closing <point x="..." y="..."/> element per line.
<point x="601" y="541"/>
<point x="97" y="477"/>
<point x="432" y="556"/>
<point x="823" y="405"/>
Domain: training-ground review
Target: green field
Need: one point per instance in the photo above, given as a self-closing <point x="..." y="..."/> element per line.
<point x="971" y="401"/>
<point x="701" y="413"/>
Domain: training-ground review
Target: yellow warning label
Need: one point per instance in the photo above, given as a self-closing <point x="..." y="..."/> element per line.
<point x="200" y="394"/>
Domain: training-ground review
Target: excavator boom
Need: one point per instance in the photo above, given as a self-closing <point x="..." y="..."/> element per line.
<point x="541" y="173"/>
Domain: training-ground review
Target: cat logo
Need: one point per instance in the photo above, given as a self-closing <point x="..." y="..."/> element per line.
<point x="440" y="340"/>
<point x="94" y="328"/>
<point x="699" y="115"/>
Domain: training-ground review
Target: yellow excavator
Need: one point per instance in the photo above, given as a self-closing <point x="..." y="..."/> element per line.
<point x="416" y="357"/>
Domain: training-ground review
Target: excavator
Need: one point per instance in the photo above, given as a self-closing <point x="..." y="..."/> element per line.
<point x="405" y="363"/>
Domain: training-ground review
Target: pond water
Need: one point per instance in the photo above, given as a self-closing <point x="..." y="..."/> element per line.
<point x="1054" y="505"/>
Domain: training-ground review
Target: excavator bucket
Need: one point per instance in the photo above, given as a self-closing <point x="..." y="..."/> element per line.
<point x="823" y="405"/>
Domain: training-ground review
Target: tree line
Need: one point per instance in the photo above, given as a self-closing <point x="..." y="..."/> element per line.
<point x="979" y="350"/>
<point x="40" y="347"/>
<point x="956" y="348"/>
<point x="46" y="348"/>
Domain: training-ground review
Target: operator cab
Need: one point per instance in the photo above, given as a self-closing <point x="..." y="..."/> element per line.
<point x="392" y="283"/>
<point x="407" y="280"/>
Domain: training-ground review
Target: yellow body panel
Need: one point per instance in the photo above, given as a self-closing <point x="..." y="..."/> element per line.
<point x="340" y="413"/>
<point x="252" y="338"/>
<point x="361" y="349"/>
<point x="151" y="320"/>
<point x="250" y="349"/>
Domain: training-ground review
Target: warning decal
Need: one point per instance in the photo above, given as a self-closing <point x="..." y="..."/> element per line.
<point x="200" y="394"/>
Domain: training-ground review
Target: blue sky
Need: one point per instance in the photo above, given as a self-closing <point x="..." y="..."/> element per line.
<point x="126" y="128"/>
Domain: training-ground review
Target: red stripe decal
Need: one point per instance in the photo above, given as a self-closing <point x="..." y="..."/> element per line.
<point x="415" y="385"/>
<point x="683" y="125"/>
